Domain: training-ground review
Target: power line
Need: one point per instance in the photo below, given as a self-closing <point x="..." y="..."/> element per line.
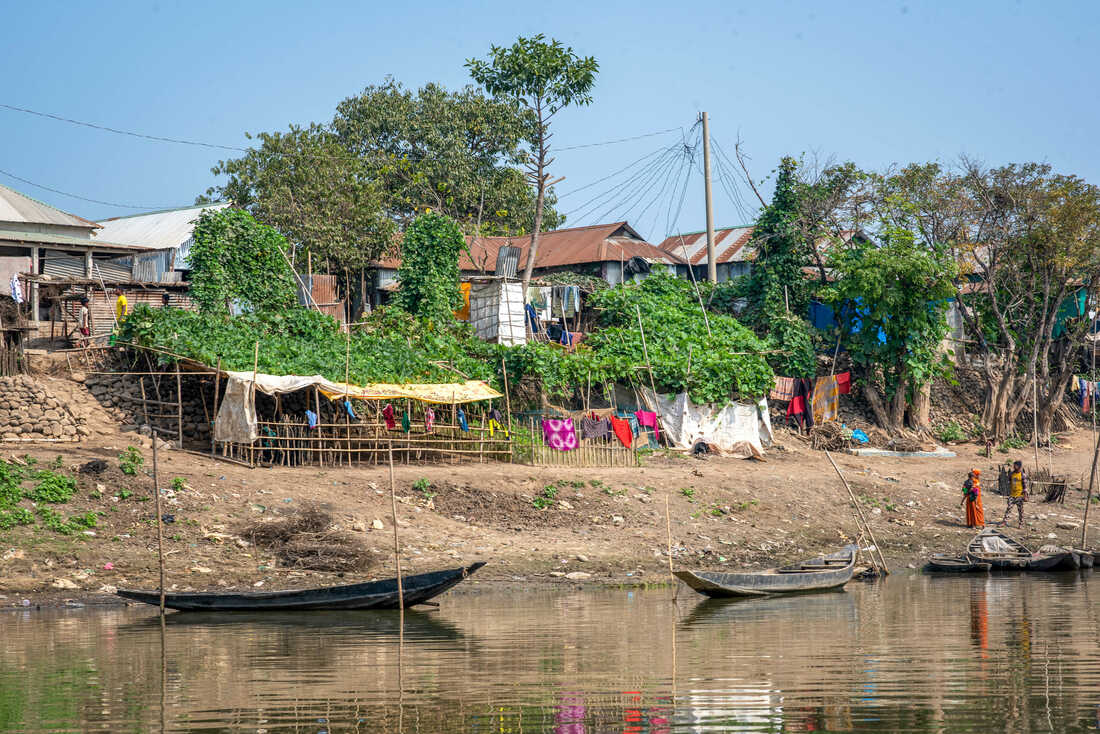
<point x="158" y="138"/>
<point x="237" y="148"/>
<point x="623" y="140"/>
<point x="84" y="198"/>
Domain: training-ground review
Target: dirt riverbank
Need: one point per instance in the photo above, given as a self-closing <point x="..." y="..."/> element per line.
<point x="598" y="526"/>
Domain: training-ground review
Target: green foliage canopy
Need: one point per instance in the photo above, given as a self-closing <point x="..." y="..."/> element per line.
<point x="429" y="274"/>
<point x="235" y="258"/>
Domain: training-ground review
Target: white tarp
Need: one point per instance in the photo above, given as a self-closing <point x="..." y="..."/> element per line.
<point x="236" y="418"/>
<point x="735" y="429"/>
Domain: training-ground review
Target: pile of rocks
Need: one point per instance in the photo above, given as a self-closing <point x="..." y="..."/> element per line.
<point x="120" y="397"/>
<point x="30" y="412"/>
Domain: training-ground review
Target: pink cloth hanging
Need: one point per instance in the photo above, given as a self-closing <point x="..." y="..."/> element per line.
<point x="387" y="415"/>
<point x="559" y="434"/>
<point x="429" y="418"/>
<point x="649" y="419"/>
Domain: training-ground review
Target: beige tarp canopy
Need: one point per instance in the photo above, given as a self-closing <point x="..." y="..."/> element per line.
<point x="236" y="419"/>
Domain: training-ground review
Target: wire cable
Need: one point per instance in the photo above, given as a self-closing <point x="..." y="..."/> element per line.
<point x="85" y="198"/>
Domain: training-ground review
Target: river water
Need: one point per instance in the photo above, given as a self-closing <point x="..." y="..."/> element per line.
<point x="915" y="654"/>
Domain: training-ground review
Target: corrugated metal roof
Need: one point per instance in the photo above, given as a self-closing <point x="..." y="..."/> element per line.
<point x="729" y="245"/>
<point x="155" y="230"/>
<point x="66" y="241"/>
<point x="562" y="247"/>
<point x="17" y="207"/>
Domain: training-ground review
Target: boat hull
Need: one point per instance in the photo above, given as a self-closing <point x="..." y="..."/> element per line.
<point x="718" y="584"/>
<point x="382" y="594"/>
<point x="956" y="564"/>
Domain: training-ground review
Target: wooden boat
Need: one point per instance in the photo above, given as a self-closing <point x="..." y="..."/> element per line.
<point x="817" y="574"/>
<point x="370" y="595"/>
<point x="1071" y="560"/>
<point x="941" y="563"/>
<point x="1008" y="554"/>
<point x="1088" y="558"/>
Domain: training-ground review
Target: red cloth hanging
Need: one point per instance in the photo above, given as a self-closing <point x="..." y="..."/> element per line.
<point x="623" y="431"/>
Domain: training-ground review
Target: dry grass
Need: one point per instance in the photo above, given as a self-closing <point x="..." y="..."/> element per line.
<point x="307" y="539"/>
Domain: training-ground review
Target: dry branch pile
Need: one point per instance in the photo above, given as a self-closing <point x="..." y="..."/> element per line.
<point x="307" y="539"/>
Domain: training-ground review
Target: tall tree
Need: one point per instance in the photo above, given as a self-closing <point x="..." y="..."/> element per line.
<point x="429" y="274"/>
<point x="343" y="188"/>
<point x="314" y="190"/>
<point x="1031" y="245"/>
<point x="542" y="78"/>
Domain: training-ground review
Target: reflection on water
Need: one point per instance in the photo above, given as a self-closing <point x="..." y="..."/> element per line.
<point x="917" y="653"/>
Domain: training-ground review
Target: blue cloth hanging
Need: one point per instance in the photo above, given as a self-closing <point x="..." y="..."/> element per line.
<point x="351" y="413"/>
<point x="532" y="318"/>
<point x="311" y="418"/>
<point x="462" y="420"/>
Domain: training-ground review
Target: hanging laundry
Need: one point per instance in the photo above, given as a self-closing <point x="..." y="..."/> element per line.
<point x="595" y="428"/>
<point x="462" y="422"/>
<point x="494" y="425"/>
<point x="536" y="298"/>
<point x="388" y="416"/>
<point x="844" y="383"/>
<point x="351" y="413"/>
<point x="532" y="319"/>
<point x="16" y="291"/>
<point x="622" y="431"/>
<point x="783" y="389"/>
<point x="494" y="415"/>
<point x="406" y="424"/>
<point x="429" y="418"/>
<point x="311" y="418"/>
<point x="825" y="399"/>
<point x="559" y="434"/>
<point x="799" y="407"/>
<point x="1086" y="396"/>
<point x="648" y="419"/>
<point x="566" y="338"/>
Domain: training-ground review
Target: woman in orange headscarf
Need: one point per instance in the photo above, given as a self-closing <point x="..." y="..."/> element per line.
<point x="972" y="498"/>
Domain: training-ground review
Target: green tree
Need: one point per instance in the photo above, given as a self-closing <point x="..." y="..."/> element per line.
<point x="342" y="189"/>
<point x="429" y="273"/>
<point x="458" y="153"/>
<point x="893" y="299"/>
<point x="235" y="258"/>
<point x="777" y="283"/>
<point x="541" y="78"/>
<point x="318" y="193"/>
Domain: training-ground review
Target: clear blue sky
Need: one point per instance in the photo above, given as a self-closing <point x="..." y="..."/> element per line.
<point x="873" y="82"/>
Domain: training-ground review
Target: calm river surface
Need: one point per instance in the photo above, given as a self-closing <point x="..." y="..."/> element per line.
<point x="915" y="654"/>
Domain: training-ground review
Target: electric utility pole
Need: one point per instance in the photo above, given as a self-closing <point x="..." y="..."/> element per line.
<point x="712" y="264"/>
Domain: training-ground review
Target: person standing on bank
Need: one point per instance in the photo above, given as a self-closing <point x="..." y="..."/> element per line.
<point x="122" y="306"/>
<point x="1017" y="492"/>
<point x="85" y="323"/>
<point x="972" y="499"/>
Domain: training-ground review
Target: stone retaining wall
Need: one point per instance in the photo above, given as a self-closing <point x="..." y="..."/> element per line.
<point x="28" y="411"/>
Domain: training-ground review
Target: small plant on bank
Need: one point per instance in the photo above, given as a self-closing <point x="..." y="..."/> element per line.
<point x="130" y="460"/>
<point x="545" y="498"/>
<point x="53" y="488"/>
<point x="179" y="484"/>
<point x="951" y="432"/>
<point x="125" y="494"/>
<point x="688" y="492"/>
<point x="1012" y="442"/>
<point x="18" y="516"/>
<point x="424" y="486"/>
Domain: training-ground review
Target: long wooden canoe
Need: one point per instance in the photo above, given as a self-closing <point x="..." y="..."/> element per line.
<point x="1008" y="554"/>
<point x="817" y="574"/>
<point x="940" y="563"/>
<point x="370" y="595"/>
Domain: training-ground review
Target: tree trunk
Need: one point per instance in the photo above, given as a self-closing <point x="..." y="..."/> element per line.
<point x="888" y="420"/>
<point x="920" y="412"/>
<point x="540" y="198"/>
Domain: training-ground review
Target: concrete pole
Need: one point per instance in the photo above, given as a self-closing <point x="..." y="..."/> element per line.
<point x="712" y="263"/>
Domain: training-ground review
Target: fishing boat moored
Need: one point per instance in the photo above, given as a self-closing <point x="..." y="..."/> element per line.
<point x="817" y="574"/>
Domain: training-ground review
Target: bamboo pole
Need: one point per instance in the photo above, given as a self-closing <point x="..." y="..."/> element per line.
<point x="347" y="370"/>
<point x="859" y="513"/>
<point x="396" y="540"/>
<point x="1088" y="494"/>
<point x="160" y="521"/>
<point x="668" y="538"/>
<point x="144" y="405"/>
<point x="1035" y="417"/>
<point x="179" y="407"/>
<point x="507" y="397"/>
